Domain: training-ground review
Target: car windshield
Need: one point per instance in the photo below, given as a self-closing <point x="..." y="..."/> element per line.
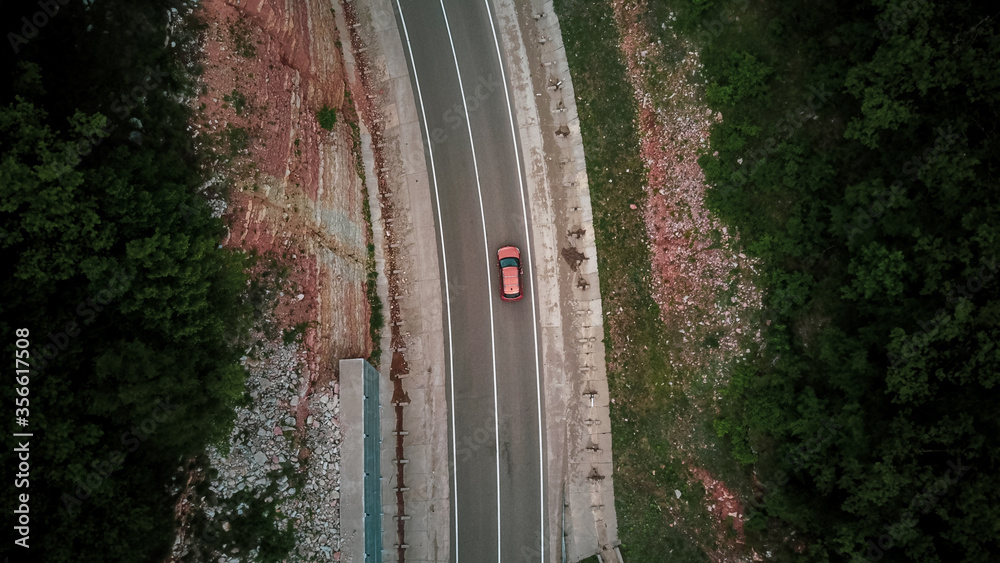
<point x="508" y="262"/>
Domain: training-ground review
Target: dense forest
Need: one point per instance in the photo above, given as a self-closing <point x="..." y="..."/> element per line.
<point x="858" y="158"/>
<point x="133" y="316"/>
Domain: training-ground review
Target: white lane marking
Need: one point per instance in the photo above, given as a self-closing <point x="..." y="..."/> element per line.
<point x="447" y="291"/>
<point x="489" y="266"/>
<point x="531" y="283"/>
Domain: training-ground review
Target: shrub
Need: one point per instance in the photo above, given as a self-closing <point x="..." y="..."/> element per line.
<point x="327" y="117"/>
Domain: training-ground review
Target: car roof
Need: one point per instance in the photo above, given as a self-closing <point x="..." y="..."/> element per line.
<point x="511" y="284"/>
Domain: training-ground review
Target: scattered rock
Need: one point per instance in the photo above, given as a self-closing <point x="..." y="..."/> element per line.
<point x="251" y="459"/>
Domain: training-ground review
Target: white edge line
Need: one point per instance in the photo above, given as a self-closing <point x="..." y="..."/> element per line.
<point x="489" y="266"/>
<point x="444" y="263"/>
<point x="534" y="320"/>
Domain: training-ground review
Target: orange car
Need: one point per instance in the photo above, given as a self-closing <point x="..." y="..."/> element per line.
<point x="510" y="273"/>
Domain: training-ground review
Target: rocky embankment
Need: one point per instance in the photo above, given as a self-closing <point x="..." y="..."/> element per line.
<point x="295" y="200"/>
<point x="267" y="447"/>
<point x="294" y="189"/>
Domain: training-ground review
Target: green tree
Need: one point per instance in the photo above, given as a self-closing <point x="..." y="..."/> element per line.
<point x="872" y="217"/>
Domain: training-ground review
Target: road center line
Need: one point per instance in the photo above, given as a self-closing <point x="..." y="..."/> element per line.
<point x="489" y="266"/>
<point x="534" y="320"/>
<point x="447" y="292"/>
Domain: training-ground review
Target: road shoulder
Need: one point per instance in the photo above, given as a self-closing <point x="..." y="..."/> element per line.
<point x="403" y="221"/>
<point x="579" y="480"/>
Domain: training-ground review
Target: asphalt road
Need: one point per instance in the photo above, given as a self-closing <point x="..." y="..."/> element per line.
<point x="492" y="350"/>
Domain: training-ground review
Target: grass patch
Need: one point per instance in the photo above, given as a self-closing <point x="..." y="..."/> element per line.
<point x="639" y="373"/>
<point x="237" y="100"/>
<point x="375" y="304"/>
<point x="241" y="36"/>
<point x="664" y="408"/>
<point x="377" y="319"/>
<point x="327" y="117"/>
<point x="294" y="334"/>
<point x="237" y="138"/>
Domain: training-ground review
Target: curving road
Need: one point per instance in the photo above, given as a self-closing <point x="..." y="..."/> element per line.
<point x="493" y="364"/>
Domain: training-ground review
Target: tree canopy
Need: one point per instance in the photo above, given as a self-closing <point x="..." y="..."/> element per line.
<point x="857" y="156"/>
<point x="137" y="318"/>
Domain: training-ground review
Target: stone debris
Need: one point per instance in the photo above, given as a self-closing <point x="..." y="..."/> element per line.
<point x="695" y="259"/>
<point x="259" y="445"/>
